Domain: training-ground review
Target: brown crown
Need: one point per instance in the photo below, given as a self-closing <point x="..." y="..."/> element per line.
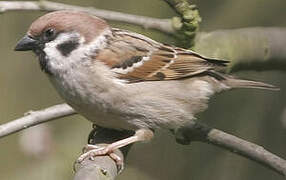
<point x="66" y="21"/>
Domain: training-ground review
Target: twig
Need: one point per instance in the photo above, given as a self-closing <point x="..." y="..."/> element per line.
<point x="196" y="132"/>
<point x="33" y="118"/>
<point x="247" y="149"/>
<point x="203" y="133"/>
<point x="163" y="25"/>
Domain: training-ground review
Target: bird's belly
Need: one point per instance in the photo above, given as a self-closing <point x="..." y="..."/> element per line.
<point x="110" y="109"/>
<point x="92" y="106"/>
<point x="103" y="116"/>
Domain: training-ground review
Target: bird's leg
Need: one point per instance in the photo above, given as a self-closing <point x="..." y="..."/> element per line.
<point x="90" y="151"/>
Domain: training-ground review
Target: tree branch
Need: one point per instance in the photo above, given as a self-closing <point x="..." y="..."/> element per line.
<point x="257" y="48"/>
<point x="247" y="149"/>
<point x="163" y="25"/>
<point x="196" y="132"/>
<point x="33" y="118"/>
<point x="103" y="167"/>
<point x="203" y="133"/>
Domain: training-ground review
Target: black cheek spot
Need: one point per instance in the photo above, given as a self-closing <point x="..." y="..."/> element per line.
<point x="67" y="47"/>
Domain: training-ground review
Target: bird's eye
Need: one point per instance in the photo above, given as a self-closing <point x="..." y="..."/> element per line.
<point x="49" y="34"/>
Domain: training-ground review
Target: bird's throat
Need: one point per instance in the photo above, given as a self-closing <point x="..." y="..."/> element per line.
<point x="43" y="61"/>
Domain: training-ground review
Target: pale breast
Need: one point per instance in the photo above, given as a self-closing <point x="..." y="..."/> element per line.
<point x="92" y="100"/>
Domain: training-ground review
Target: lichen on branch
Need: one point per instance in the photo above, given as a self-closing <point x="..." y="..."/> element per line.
<point x="187" y="25"/>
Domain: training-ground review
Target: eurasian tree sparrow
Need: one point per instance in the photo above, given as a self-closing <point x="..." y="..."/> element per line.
<point x="123" y="80"/>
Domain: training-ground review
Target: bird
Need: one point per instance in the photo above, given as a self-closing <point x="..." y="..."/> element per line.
<point x="123" y="80"/>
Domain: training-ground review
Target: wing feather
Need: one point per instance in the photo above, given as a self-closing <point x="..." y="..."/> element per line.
<point x="146" y="60"/>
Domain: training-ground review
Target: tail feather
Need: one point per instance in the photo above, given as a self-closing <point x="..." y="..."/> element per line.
<point x="240" y="83"/>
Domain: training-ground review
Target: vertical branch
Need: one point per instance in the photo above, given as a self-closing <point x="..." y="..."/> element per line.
<point x="187" y="25"/>
<point x="101" y="168"/>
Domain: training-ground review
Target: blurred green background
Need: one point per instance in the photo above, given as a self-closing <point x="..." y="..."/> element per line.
<point x="48" y="151"/>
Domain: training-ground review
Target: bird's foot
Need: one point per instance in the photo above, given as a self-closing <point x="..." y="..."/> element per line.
<point x="91" y="151"/>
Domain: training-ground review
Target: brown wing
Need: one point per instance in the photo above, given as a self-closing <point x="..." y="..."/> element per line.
<point x="138" y="58"/>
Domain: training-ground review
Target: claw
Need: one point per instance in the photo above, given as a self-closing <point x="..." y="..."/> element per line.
<point x="118" y="161"/>
<point x="90" y="151"/>
<point x="89" y="147"/>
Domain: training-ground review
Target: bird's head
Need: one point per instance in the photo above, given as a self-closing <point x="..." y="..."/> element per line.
<point x="56" y="35"/>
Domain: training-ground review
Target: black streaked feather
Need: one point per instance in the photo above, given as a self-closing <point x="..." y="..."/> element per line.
<point x="129" y="62"/>
<point x="166" y="55"/>
<point x="160" y="75"/>
<point x="164" y="48"/>
<point x="218" y="62"/>
<point x="167" y="60"/>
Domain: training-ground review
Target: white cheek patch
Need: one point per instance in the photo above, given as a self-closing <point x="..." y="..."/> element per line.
<point x="56" y="58"/>
<point x="50" y="47"/>
<point x="58" y="62"/>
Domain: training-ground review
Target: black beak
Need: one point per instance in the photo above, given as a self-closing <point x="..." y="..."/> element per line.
<point x="26" y="44"/>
